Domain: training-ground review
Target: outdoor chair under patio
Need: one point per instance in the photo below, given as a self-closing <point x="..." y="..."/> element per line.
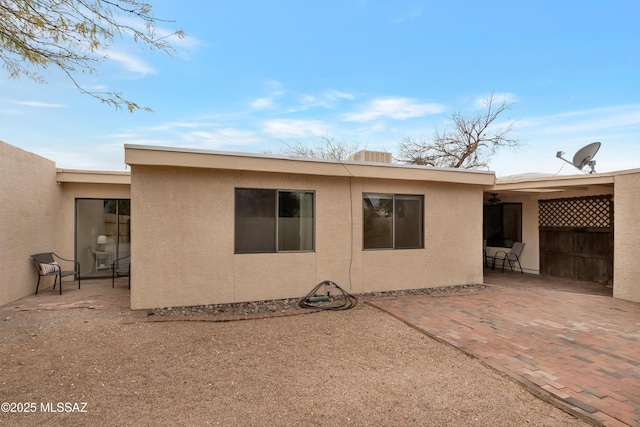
<point x="121" y="268"/>
<point x="512" y="256"/>
<point x="47" y="265"/>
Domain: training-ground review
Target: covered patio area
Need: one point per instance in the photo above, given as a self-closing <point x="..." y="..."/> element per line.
<point x="95" y="294"/>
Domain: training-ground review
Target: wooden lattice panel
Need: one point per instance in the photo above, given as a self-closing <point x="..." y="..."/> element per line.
<point x="579" y="212"/>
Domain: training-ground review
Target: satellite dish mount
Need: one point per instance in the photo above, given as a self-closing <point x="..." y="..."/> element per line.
<point x="583" y="157"/>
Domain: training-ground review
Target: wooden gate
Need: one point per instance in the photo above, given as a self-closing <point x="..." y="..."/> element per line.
<point x="576" y="238"/>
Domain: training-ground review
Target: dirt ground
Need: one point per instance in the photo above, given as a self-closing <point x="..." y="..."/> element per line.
<point x="357" y="367"/>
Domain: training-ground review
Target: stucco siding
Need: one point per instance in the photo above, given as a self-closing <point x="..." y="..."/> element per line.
<point x="626" y="268"/>
<point x="530" y="259"/>
<point x="337" y="243"/>
<point x="453" y="238"/>
<point x="182" y="243"/>
<point x="29" y="203"/>
<point x="184" y="238"/>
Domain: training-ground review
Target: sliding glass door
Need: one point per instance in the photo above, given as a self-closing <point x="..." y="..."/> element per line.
<point x="103" y="234"/>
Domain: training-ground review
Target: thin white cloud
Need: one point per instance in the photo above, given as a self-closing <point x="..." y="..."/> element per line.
<point x="83" y="157"/>
<point x="294" y="102"/>
<point x="146" y="141"/>
<point x="130" y="62"/>
<point x="287" y="128"/>
<point x="584" y="122"/>
<point x="220" y="138"/>
<point x="97" y="87"/>
<point x="177" y="125"/>
<point x="265" y="103"/>
<point x="498" y="98"/>
<point x="274" y="86"/>
<point x="275" y="90"/>
<point x="394" y="108"/>
<point x="121" y="135"/>
<point x="327" y="99"/>
<point x="38" y="104"/>
<point x="184" y="46"/>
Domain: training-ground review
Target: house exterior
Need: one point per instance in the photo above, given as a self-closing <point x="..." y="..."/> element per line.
<point x="207" y="227"/>
<point x="190" y="249"/>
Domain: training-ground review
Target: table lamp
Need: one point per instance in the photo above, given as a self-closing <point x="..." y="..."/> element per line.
<point x="101" y="241"/>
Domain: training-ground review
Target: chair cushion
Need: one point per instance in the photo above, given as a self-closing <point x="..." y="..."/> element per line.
<point x="53" y="267"/>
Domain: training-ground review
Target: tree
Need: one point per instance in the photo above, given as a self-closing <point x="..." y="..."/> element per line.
<point x="326" y="148"/>
<point x="74" y="36"/>
<point x="469" y="144"/>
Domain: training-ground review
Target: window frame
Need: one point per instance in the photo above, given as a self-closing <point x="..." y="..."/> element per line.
<point x="276" y="221"/>
<point x="490" y="219"/>
<point x="394" y="216"/>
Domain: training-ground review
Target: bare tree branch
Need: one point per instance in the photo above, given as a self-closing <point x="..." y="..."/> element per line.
<point x="326" y="148"/>
<point x="469" y="143"/>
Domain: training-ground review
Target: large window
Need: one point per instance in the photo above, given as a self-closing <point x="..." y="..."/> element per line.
<point x="393" y="221"/>
<point x="273" y="221"/>
<point x="502" y="224"/>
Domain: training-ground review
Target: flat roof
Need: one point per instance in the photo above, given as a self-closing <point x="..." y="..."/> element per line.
<point x="92" y="177"/>
<point x="551" y="183"/>
<point x="145" y="155"/>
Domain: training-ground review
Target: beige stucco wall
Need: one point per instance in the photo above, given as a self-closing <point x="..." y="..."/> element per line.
<point x="29" y="202"/>
<point x="626" y="268"/>
<point x="184" y="251"/>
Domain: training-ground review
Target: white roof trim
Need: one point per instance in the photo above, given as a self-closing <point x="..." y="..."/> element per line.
<point x="185" y="157"/>
<point x="92" y="177"/>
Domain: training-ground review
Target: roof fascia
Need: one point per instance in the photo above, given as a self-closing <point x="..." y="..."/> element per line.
<point x="92" y="177"/>
<point x="558" y="183"/>
<point x="164" y="156"/>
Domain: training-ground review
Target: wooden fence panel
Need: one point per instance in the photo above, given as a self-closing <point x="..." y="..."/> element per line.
<point x="576" y="238"/>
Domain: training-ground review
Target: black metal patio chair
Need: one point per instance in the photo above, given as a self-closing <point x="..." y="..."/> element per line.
<point x="121" y="268"/>
<point x="47" y="265"/>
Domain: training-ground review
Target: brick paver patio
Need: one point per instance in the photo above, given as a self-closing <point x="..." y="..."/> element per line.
<point x="581" y="351"/>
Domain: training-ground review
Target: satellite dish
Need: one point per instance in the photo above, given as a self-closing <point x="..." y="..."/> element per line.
<point x="583" y="157"/>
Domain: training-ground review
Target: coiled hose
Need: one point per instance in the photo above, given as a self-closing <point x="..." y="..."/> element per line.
<point x="326" y="301"/>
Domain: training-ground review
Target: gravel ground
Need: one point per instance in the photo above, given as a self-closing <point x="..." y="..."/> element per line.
<point x="336" y="368"/>
<point x="292" y="306"/>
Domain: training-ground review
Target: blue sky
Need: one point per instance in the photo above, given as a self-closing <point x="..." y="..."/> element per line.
<point x="252" y="75"/>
